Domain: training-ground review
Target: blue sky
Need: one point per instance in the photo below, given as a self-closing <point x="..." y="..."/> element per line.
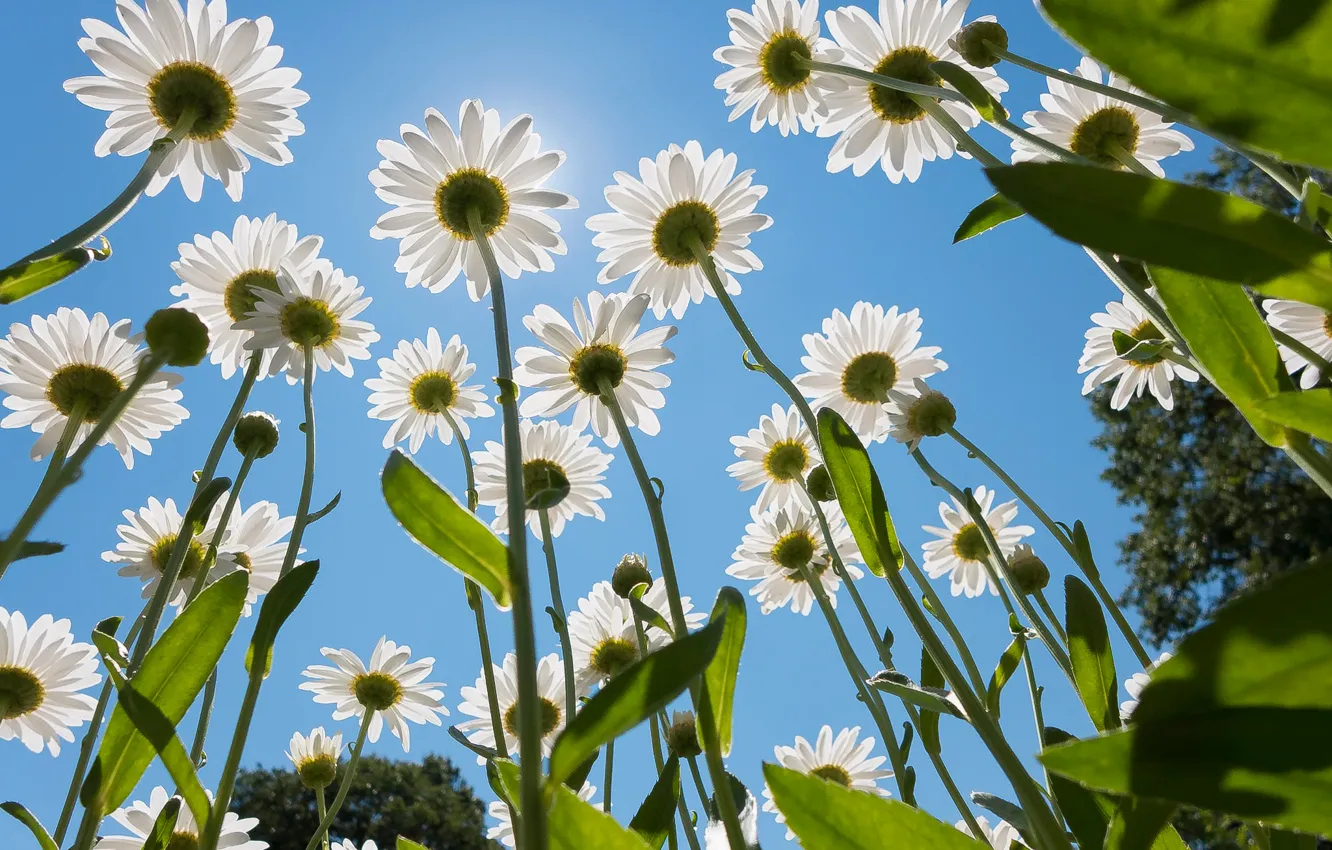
<point x="607" y="82"/>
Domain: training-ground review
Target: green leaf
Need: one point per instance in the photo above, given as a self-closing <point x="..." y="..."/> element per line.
<point x="507" y="776"/>
<point x="1138" y="351"/>
<point x="930" y="699"/>
<point x="576" y="825"/>
<point x="316" y="517"/>
<point x="574" y="781"/>
<point x="989" y="214"/>
<point x="969" y="87"/>
<point x="202" y="504"/>
<point x="1279" y="839"/>
<point x="633" y="696"/>
<point x="1089" y="650"/>
<point x="1140" y="824"/>
<point x="930" y="677"/>
<point x="1309" y="411"/>
<point x="645" y="612"/>
<point x="172" y="674"/>
<point x="1006" y="810"/>
<point x="408" y="844"/>
<point x="37" y="549"/>
<point x="277" y="607"/>
<point x="1237" y="721"/>
<point x="720" y="677"/>
<point x="487" y="753"/>
<point x="859" y="493"/>
<point x="1003" y="671"/>
<point x="1257" y="70"/>
<point x="164" y="826"/>
<point x="1082" y="545"/>
<point x="829" y="816"/>
<point x="23" y="279"/>
<point x="25" y="817"/>
<point x="656" y="817"/>
<point x="436" y="520"/>
<point x="1087" y="813"/>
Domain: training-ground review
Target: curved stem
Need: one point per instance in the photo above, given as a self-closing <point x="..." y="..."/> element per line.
<point x="1037" y="713"/>
<point x="561" y="626"/>
<point x="344" y="786"/>
<point x="1055" y="152"/>
<point x="941" y="614"/>
<point x="226" y="784"/>
<point x="929" y="92"/>
<point x="1318" y="361"/>
<point x="1127" y="159"/>
<point x="18" y="536"/>
<point x="657" y="729"/>
<point x="323" y="811"/>
<point x="606" y="783"/>
<point x="307" y="480"/>
<point x="473" y="499"/>
<point x="1051" y="616"/>
<point x="964" y="140"/>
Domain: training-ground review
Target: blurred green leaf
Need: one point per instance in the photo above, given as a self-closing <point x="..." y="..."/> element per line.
<point x="576" y="825"/>
<point x="655" y="818"/>
<point x="574" y="781"/>
<point x="1309" y="411"/>
<point x="969" y="87"/>
<point x="1140" y="824"/>
<point x="507" y="776"/>
<point x="930" y="677"/>
<point x="277" y="607"/>
<point x="23" y="279"/>
<point x="1089" y="650"/>
<point x="859" y="493"/>
<point x="1003" y="671"/>
<point x="989" y="214"/>
<point x="1086" y="812"/>
<point x="164" y="826"/>
<point x="408" y="844"/>
<point x="25" y="817"/>
<point x="720" y="677"/>
<point x="929" y="699"/>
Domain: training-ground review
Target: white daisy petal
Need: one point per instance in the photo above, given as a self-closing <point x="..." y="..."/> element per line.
<point x="43" y="673"/>
<point x="838" y="759"/>
<point x="1103" y="361"/>
<point x="477" y="701"/>
<point x="778" y="542"/>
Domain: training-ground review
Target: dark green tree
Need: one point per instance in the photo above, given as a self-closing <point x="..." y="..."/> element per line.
<point x="426" y="802"/>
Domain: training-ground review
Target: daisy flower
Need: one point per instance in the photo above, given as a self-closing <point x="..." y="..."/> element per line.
<point x="42" y="671"/>
<point x="139" y="817"/>
<point x="999" y="837"/>
<point x="1134" y="685"/>
<point x="550" y="690"/>
<point x="602" y="633"/>
<point x="418" y="383"/>
<point x="318" y="309"/>
<point x="391" y="686"/>
<point x="1308" y="324"/>
<point x="841" y="760"/>
<point x="1090" y="123"/>
<point x="316" y="757"/>
<point x="883" y="125"/>
<point x="502" y="831"/>
<point x="169" y="64"/>
<point x="221" y="277"/>
<point x="777" y="455"/>
<point x="603" y="342"/>
<point x="679" y="199"/>
<point x="922" y="412"/>
<point x="67" y="363"/>
<point x="149" y="535"/>
<point x="857" y="361"/>
<point x="1117" y="331"/>
<point x="346" y="844"/>
<point x="714" y="835"/>
<point x="766" y="76"/>
<point x="255" y="542"/>
<point x="548" y="447"/>
<point x="778" y="542"/>
<point x="961" y="553"/>
<point x="435" y="178"/>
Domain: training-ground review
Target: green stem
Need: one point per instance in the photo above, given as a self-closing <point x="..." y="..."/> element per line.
<point x="473" y="498"/>
<point x="1314" y="463"/>
<point x="929" y="92"/>
<point x="531" y="831"/>
<point x="226" y="784"/>
<point x="562" y="627"/>
<point x="345" y="785"/>
<point x="606" y="783"/>
<point x="657" y="729"/>
<point x="323" y="811"/>
<point x="1050" y="149"/>
<point x="19" y="535"/>
<point x="964" y="140"/>
<point x="92" y="818"/>
<point x="941" y="614"/>
<point x="1051" y="616"/>
<point x="1037" y="713"/>
<point x="307" y="479"/>
<point x="1319" y="362"/>
<point x="1128" y="160"/>
<point x="698" y="785"/>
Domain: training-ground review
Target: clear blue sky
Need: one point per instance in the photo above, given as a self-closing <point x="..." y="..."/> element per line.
<point x="608" y="82"/>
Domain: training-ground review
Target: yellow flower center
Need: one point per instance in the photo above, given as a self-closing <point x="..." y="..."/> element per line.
<point x="969" y="543"/>
<point x="197" y="88"/>
<point x="377" y="691"/>
<point x="833" y="773"/>
<point x="21" y="692"/>
<point x="550" y="718"/>
<point x="309" y="321"/>
<point x="909" y="64"/>
<point x="470" y="189"/>
<point x="1097" y="135"/>
<point x="190" y="568"/>
<point x="183" y="841"/>
<point x="242" y="294"/>
<point x="794" y="551"/>
<point x="434" y="391"/>
<point x="90" y="388"/>
<point x="678" y="226"/>
<point x="593" y="362"/>
<point x="779" y="62"/>
<point x="318" y="771"/>
<point x="786" y="460"/>
<point x="613" y="655"/>
<point x="868" y="377"/>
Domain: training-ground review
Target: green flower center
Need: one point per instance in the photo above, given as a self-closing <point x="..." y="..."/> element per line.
<point x="183" y="841"/>
<point x="969" y="543"/>
<point x="545" y="483"/>
<point x="1099" y="133"/>
<point x="242" y="294"/>
<point x="678" y="226"/>
<point x="794" y="551"/>
<point x="90" y="388"/>
<point x="195" y="87"/>
<point x="20" y="692"/>
<point x="931" y="415"/>
<point x="190" y="568"/>
<point x="868" y="377"/>
<point x="308" y="321"/>
<point x="243" y="561"/>
<point x="434" y="391"/>
<point x="377" y="691"/>
<point x="786" y="460"/>
<point x="592" y="363"/>
<point x="550" y="718"/>
<point x="779" y="62"/>
<point x="470" y="189"/>
<point x="909" y="64"/>
<point x="833" y="773"/>
<point x="613" y="655"/>
<point x="1327" y="325"/>
<point x="318" y="772"/>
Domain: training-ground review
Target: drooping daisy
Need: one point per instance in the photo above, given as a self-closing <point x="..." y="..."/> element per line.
<point x="169" y="65"/>
<point x="778" y="542"/>
<point x="65" y="364"/>
<point x="393" y="687"/>
<point x="857" y="361"/>
<point x="1134" y="685"/>
<point x="255" y="542"/>
<point x="1308" y="324"/>
<point x="550" y="690"/>
<point x="417" y="383"/>
<point x="502" y="831"/>
<point x="1089" y="123"/>
<point x="766" y="76"/>
<point x="42" y="671"/>
<point x="602" y="633"/>
<point x="146" y="541"/>
<point x="777" y="455"/>
<point x="883" y="125"/>
<point x="603" y="342"/>
<point x="1000" y="837"/>
<point x="841" y="760"/>
<point x="547" y="447"/>
<point x="961" y="553"/>
<point x="221" y="275"/>
<point x="917" y="414"/>
<point x="1117" y="331"/>
<point x="316" y="757"/>
<point x="714" y="835"/>
<point x="317" y="308"/>
<point x="679" y="199"/>
<point x="139" y="817"/>
<point x="435" y="178"/>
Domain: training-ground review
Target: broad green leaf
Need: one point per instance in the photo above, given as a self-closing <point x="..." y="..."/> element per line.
<point x="989" y="214"/>
<point x="1257" y="70"/>
<point x="1089" y="650"/>
<point x="1086" y="812"/>
<point x="164" y="826"/>
<point x="23" y="279"/>
<point x="645" y="612"/>
<point x="969" y="87"/>
<point x="408" y="844"/>
<point x="930" y="677"/>
<point x="172" y="674"/>
<point x="930" y="699"/>
<point x="720" y="677"/>
<point x="277" y="607"/>
<point x="37" y="549"/>
<point x="1082" y="545"/>
<point x="829" y="816"/>
<point x="320" y="514"/>
<point x="1187" y="228"/>
<point x="1237" y="721"/>
<point x="1003" y="671"/>
<point x="859" y="493"/>
<point x="1229" y="338"/>
<point x="576" y="825"/>
<point x="655" y="819"/>
<point x="202" y="504"/>
<point x="436" y="520"/>
<point x="507" y="775"/>
<point x="1006" y="810"/>
<point x="1280" y="839"/>
<point x="25" y="817"/>
<point x="487" y="753"/>
<point x="1141" y="824"/>
<point x="574" y="781"/>
<point x="633" y="696"/>
<point x="1309" y="411"/>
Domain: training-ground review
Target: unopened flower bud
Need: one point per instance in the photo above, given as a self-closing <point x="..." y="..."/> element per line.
<point x="933" y="414"/>
<point x="682" y="735"/>
<point x="177" y="336"/>
<point x="819" y="483"/>
<point x="630" y="573"/>
<point x="256" y="432"/>
<point x="1029" y="572"/>
<point x="971" y="43"/>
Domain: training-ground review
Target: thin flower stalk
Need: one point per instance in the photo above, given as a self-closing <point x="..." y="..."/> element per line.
<point x="58" y="455"/>
<point x="557" y="599"/>
<point x="1128" y="160"/>
<point x="226" y="783"/>
<point x="348" y="774"/>
<point x="656" y="725"/>
<point x="1050" y="616"/>
<point x="1316" y="360"/>
<point x="940" y="612"/>
<point x="307" y="479"/>
<point x="1038" y="714"/>
<point x="323" y="811"/>
<point x="606" y="782"/>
